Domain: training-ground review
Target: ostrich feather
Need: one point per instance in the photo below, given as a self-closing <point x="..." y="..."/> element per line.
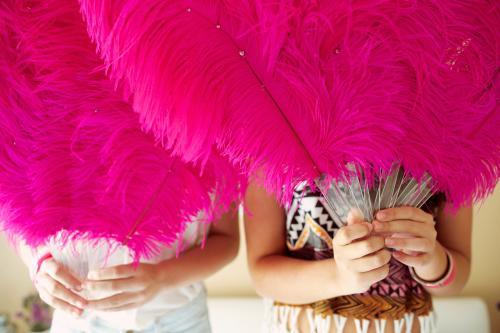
<point x="81" y="163"/>
<point x="191" y="91"/>
<point x="298" y="89"/>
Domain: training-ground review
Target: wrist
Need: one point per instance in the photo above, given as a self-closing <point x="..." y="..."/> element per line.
<point x="333" y="284"/>
<point x="38" y="262"/>
<point x="436" y="267"/>
<point x="165" y="276"/>
<point x="444" y="280"/>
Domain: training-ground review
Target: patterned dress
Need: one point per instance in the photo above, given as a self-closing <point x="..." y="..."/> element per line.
<point x="310" y="230"/>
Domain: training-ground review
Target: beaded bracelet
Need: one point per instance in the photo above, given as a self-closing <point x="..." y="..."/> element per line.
<point x="446" y="279"/>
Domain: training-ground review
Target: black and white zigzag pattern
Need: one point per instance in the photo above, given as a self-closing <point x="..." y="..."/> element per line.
<point x="305" y="202"/>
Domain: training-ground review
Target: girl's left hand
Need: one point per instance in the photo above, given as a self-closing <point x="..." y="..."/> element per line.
<point x="131" y="285"/>
<point x="411" y="232"/>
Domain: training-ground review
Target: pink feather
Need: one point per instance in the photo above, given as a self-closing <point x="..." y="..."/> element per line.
<point x="80" y="161"/>
<point x="299" y="88"/>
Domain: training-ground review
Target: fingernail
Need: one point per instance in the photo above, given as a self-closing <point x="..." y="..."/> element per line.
<point x="381" y="215"/>
<point x="390" y="241"/>
<point x="79" y="288"/>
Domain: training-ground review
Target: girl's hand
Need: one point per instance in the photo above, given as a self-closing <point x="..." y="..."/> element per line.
<point x="361" y="258"/>
<point x="58" y="287"/>
<point x="131" y="285"/>
<point x="411" y="232"/>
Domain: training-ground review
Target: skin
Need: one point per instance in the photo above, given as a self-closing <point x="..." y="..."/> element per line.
<point x="429" y="240"/>
<point x="134" y="286"/>
<point x="59" y="288"/>
<point x="360" y="252"/>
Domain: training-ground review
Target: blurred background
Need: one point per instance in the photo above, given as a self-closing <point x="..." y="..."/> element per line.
<point x="234" y="280"/>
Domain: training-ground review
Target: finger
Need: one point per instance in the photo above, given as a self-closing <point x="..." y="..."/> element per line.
<point x="355" y="216"/>
<point x="410" y="244"/>
<point x="370" y="262"/>
<point x="404" y="213"/>
<point x="57" y="290"/>
<point x="116" y="301"/>
<point x="347" y="234"/>
<point x="405" y="226"/>
<point x="118" y="285"/>
<point x="59" y="304"/>
<point x="59" y="273"/>
<point x="410" y="260"/>
<point x="376" y="275"/>
<point x="114" y="272"/>
<point x="361" y="248"/>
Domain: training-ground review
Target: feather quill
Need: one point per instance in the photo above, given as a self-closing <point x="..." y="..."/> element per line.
<point x="297" y="89"/>
<point x="81" y="163"/>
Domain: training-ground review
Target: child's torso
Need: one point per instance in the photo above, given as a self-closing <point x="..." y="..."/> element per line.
<point x="395" y="301"/>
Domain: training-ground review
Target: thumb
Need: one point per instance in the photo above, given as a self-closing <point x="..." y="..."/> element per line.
<point x="356" y="216"/>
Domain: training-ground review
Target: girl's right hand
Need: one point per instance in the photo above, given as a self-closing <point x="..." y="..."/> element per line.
<point x="58" y="287"/>
<point x="361" y="259"/>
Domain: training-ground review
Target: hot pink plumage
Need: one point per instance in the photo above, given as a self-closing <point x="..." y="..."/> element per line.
<point x="73" y="156"/>
<point x="292" y="88"/>
<point x="298" y="88"/>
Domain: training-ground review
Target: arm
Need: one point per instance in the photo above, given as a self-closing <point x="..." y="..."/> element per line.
<point x="298" y="281"/>
<point x="221" y="248"/>
<point x="452" y="232"/>
<point x="27" y="254"/>
<point x="133" y="286"/>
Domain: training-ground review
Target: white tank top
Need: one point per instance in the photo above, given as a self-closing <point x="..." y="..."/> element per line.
<point x="82" y="256"/>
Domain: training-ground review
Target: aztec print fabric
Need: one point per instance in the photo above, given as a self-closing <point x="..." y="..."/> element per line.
<point x="310" y="230"/>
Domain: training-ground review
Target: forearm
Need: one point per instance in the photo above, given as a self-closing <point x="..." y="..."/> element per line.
<point x="437" y="267"/>
<point x="27" y="254"/>
<point x="294" y="281"/>
<point x="199" y="263"/>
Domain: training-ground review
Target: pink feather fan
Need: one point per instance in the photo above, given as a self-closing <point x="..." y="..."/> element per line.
<point x="303" y="88"/>
<point x="73" y="157"/>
